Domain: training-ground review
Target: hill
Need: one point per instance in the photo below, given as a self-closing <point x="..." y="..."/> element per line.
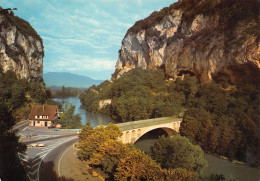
<point x="68" y="80"/>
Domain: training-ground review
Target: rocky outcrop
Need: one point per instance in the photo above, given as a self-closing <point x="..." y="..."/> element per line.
<point x="103" y="103"/>
<point x="203" y="38"/>
<point x="21" y="48"/>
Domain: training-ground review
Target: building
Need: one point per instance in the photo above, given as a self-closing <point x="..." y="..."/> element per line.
<point x="44" y="115"/>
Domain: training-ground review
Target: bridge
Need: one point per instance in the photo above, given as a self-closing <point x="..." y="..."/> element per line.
<point x="133" y="130"/>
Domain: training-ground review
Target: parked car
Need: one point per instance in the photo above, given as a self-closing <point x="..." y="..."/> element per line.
<point x="52" y="126"/>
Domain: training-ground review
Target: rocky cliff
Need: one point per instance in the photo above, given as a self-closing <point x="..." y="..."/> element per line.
<point x="204" y="38"/>
<point x="21" y="48"/>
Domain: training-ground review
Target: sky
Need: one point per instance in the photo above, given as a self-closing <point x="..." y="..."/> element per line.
<point x="83" y="36"/>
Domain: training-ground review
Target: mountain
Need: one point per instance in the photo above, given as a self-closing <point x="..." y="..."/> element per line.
<point x="68" y="80"/>
<point x="208" y="39"/>
<point x="21" y="48"/>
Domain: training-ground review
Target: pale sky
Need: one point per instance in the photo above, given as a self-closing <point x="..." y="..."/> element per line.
<point x="83" y="36"/>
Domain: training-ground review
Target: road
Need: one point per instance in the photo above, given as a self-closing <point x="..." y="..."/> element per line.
<point x="46" y="157"/>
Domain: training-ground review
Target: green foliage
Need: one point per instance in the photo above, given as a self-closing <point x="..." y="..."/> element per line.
<point x="177" y="152"/>
<point x="139" y="94"/>
<point x="11" y="98"/>
<point x="37" y="92"/>
<point x="68" y="119"/>
<point x="221" y="121"/>
<point x="225" y="122"/>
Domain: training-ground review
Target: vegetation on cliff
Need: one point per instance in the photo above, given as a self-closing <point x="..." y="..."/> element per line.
<point x="221" y="120"/>
<point x="23" y="26"/>
<point x="99" y="146"/>
<point x="231" y="13"/>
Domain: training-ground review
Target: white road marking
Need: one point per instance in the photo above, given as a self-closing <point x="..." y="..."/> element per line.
<point x="37" y="158"/>
<point x="24" y="129"/>
<point x="20" y="154"/>
<point x="46" y="155"/>
<point x="32" y="173"/>
<point x="20" y="125"/>
<point x="60" y="162"/>
<point x="35" y="165"/>
<point x="43" y="152"/>
<point x="24" y="160"/>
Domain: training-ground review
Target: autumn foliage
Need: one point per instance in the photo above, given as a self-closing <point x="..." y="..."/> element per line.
<point x="118" y="161"/>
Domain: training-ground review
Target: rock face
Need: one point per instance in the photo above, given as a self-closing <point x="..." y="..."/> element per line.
<point x="203" y="38"/>
<point x="21" y="48"/>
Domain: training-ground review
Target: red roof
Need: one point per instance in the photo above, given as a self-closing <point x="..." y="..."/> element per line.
<point x="43" y="110"/>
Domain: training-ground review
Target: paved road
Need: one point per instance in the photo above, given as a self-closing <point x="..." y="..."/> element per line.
<point x="50" y="168"/>
<point x="54" y="142"/>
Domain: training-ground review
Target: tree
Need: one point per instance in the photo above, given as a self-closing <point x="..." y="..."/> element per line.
<point x="91" y="139"/>
<point x="68" y="118"/>
<point x="178" y="152"/>
<point x="9" y="148"/>
<point x="108" y="156"/>
<point x="138" y="166"/>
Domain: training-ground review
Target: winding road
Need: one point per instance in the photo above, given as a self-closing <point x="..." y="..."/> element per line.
<point x="45" y="148"/>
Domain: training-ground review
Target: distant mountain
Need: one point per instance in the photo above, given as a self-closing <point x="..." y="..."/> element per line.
<point x="68" y="80"/>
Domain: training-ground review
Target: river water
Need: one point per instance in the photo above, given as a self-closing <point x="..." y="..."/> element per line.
<point x="94" y="119"/>
<point x="230" y="170"/>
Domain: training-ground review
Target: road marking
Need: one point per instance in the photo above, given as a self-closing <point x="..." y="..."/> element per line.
<point x="60" y="162"/>
<point x="24" y="129"/>
<point x="20" y="125"/>
<point x="20" y="154"/>
<point x="35" y="165"/>
<point x="31" y="178"/>
<point x="43" y="152"/>
<point x="38" y="175"/>
<point x="37" y="158"/>
<point x="24" y="160"/>
<point x="32" y="173"/>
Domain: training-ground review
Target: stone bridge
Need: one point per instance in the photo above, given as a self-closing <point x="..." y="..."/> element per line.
<point x="133" y="130"/>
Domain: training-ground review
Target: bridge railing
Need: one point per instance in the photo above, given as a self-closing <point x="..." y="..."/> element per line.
<point x="147" y="122"/>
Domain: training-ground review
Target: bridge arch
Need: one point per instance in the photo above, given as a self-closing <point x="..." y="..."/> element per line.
<point x="168" y="130"/>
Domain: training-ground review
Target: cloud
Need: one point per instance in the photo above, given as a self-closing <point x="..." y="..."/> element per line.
<point x="74" y="63"/>
<point x="83" y="35"/>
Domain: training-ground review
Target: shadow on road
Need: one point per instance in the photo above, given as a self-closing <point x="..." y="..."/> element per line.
<point x="47" y="173"/>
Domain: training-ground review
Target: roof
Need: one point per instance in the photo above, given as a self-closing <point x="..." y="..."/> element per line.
<point x="43" y="110"/>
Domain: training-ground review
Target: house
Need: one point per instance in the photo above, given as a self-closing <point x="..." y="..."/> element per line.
<point x="44" y="115"/>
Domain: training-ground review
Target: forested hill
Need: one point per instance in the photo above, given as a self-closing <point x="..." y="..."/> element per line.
<point x="222" y="120"/>
<point x="66" y="79"/>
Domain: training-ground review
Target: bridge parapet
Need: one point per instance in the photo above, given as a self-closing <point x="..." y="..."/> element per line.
<point x="133" y="130"/>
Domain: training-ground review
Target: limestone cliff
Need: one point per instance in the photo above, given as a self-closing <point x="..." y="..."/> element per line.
<point x="209" y="39"/>
<point x="21" y="48"/>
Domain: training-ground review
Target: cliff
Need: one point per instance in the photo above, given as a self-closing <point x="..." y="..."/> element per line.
<point x="21" y="48"/>
<point x="203" y="38"/>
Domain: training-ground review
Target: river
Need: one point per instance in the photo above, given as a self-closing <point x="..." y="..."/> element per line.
<point x="230" y="170"/>
<point x="94" y="119"/>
